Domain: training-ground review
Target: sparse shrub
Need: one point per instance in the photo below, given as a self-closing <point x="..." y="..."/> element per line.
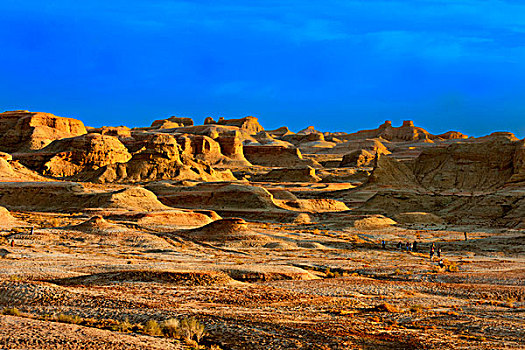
<point x="192" y="343"/>
<point x="416" y="308"/>
<point x="54" y="222"/>
<point x="13" y="311"/>
<point x="152" y="328"/>
<point x="191" y="328"/>
<point x="171" y="328"/>
<point x="452" y="268"/>
<point x="74" y="319"/>
<point x="387" y="307"/>
<point x="330" y="274"/>
<point x="124" y="326"/>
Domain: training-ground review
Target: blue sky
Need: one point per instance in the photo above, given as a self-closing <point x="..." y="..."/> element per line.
<point x="335" y="64"/>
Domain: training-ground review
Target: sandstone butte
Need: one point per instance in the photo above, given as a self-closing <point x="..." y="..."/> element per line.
<point x="272" y="239"/>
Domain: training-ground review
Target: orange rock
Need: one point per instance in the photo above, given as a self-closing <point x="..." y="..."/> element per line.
<point x="249" y="124"/>
<point x="24" y="130"/>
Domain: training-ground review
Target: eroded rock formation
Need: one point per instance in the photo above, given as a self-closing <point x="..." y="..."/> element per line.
<point x="24" y="130"/>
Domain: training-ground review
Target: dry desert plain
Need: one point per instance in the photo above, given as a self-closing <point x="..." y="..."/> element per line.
<point x="228" y="236"/>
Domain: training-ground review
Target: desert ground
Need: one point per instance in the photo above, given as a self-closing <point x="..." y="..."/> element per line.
<point x="229" y="236"/>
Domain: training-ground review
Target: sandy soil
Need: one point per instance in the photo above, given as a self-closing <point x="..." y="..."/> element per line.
<point x="313" y="287"/>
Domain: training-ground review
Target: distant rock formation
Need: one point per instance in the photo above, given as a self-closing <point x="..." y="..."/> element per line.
<point x="406" y="132"/>
<point x="302" y="174"/>
<point x="172" y="122"/>
<point x="472" y="181"/>
<point x="373" y="146"/>
<point x="250" y="124"/>
<point x="24" y="130"/>
<point x="223" y="196"/>
<point x="280" y="132"/>
<point x="161" y="158"/>
<point x="273" y="156"/>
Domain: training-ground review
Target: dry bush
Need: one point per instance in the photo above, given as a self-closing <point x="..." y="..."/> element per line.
<point x="171" y="328"/>
<point x="74" y="319"/>
<point x="387" y="307"/>
<point x="152" y="328"/>
<point x="54" y="222"/>
<point x="124" y="326"/>
<point x="416" y="308"/>
<point x="330" y="274"/>
<point x="13" y="311"/>
<point x="191" y="328"/>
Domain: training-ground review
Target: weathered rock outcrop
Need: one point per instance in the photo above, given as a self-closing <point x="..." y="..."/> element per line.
<point x="389" y="172"/>
<point x="71" y="196"/>
<point x="418" y="218"/>
<point x="71" y="156"/>
<point x="373" y="146"/>
<point x="315" y="205"/>
<point x="232" y="148"/>
<point x="451" y="135"/>
<point x="476" y="181"/>
<point x="121" y="132"/>
<point x="226" y="150"/>
<point x="357" y="158"/>
<point x="218" y="196"/>
<point x="303" y="174"/>
<point x="12" y="171"/>
<point x="467" y="166"/>
<point x="159" y="158"/>
<point x="406" y="132"/>
<point x="265" y="138"/>
<point x="273" y="156"/>
<point x="231" y="231"/>
<point x="172" y="122"/>
<point x="24" y="130"/>
<point x="7" y="221"/>
<point x="250" y="124"/>
<point x="518" y="174"/>
<point x="280" y="132"/>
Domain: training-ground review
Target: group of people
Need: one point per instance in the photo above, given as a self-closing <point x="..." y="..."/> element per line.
<point x="409" y="247"/>
<point x="434" y="251"/>
<point x="412" y="247"/>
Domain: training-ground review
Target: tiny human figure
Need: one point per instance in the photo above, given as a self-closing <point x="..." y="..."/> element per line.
<point x="432" y="251"/>
<point x="465" y="234"/>
<point x="32" y="230"/>
<point x="408" y="246"/>
<point x="414" y="246"/>
<point x="12" y="243"/>
<point x="399" y="245"/>
<point x="383" y="244"/>
<point x="439" y="252"/>
<point x="441" y="263"/>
